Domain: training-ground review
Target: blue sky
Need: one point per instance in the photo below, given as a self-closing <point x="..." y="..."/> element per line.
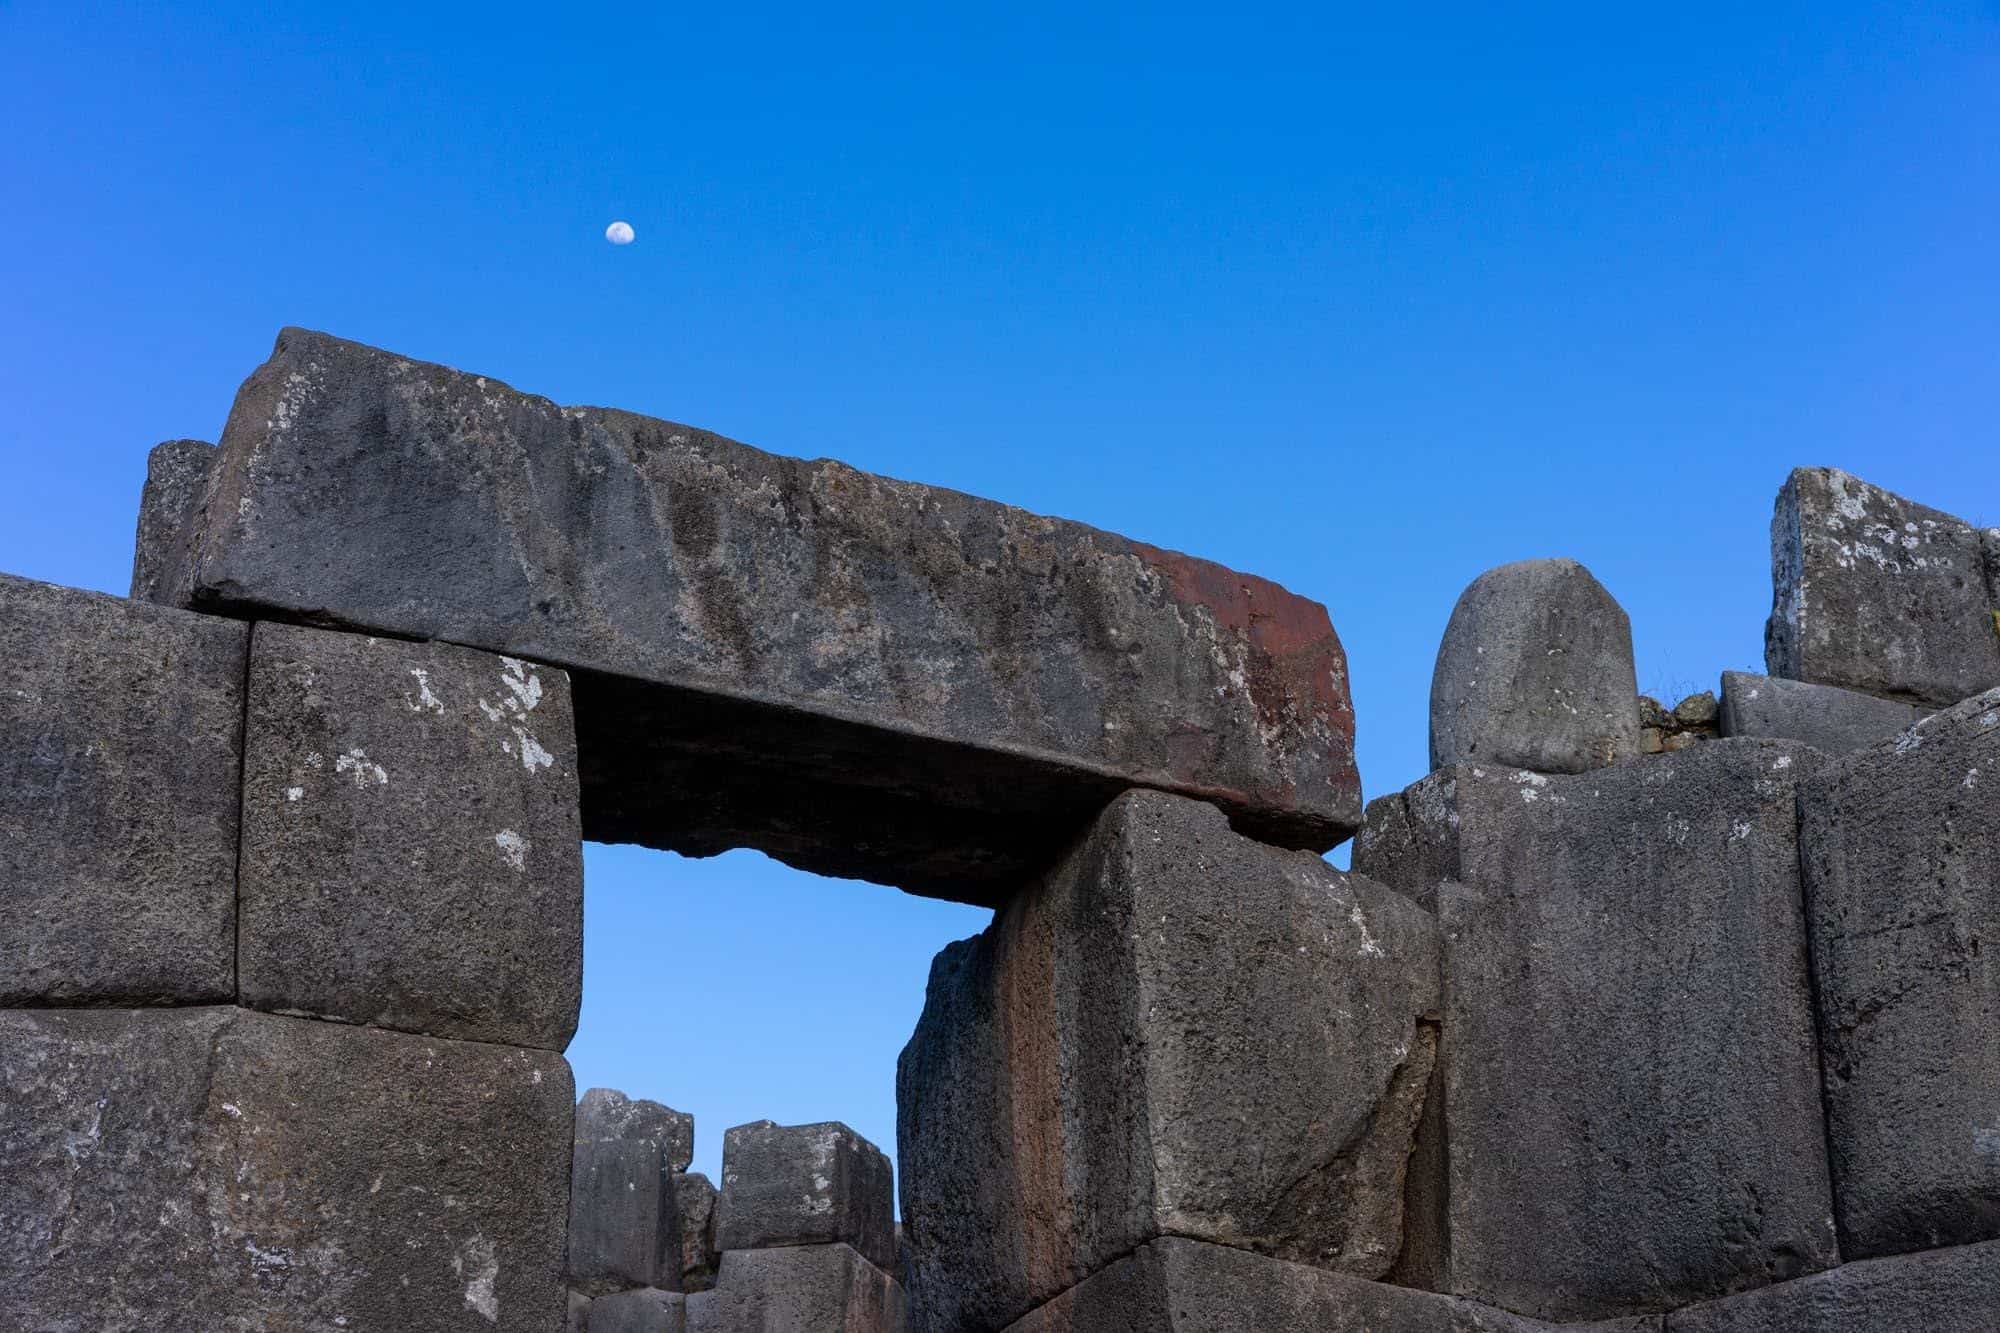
<point x="1365" y="303"/>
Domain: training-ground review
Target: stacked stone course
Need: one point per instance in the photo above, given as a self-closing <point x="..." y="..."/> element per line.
<point x="1627" y="1018"/>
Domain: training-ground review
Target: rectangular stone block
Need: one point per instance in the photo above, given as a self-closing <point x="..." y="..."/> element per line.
<point x="1185" y="1286"/>
<point x="694" y="1204"/>
<point x="1825" y="717"/>
<point x="120" y="755"/>
<point x="624" y="1220"/>
<point x="640" y="1310"/>
<point x="1943" y="1291"/>
<point x="411" y="852"/>
<point x="201" y="1169"/>
<point x="1177" y="1031"/>
<point x="1902" y="873"/>
<point x="170" y="507"/>
<point x="805" y="1185"/>
<point x="860" y="676"/>
<point x="1631" y="1116"/>
<point x="1873" y="592"/>
<point x="822" y="1288"/>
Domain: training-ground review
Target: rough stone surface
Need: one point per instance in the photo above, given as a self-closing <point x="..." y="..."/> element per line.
<point x="1902" y="870"/>
<point x="640" y="1310"/>
<point x="217" y="1170"/>
<point x="1873" y="592"/>
<point x="1943" y="1291"/>
<point x="1631" y="1117"/>
<point x="1178" y="1031"/>
<point x="806" y="1185"/>
<point x="624" y="1220"/>
<point x="858" y="675"/>
<point x="579" y="1313"/>
<point x="1825" y="717"/>
<point x="1185" y="1286"/>
<point x="1535" y="671"/>
<point x="796" y="1289"/>
<point x="120" y="742"/>
<point x="177" y="474"/>
<point x="694" y="1204"/>
<point x="411" y="856"/>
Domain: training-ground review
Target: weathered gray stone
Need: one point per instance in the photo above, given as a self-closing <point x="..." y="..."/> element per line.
<point x="579" y="1313"/>
<point x="1825" y="717"/>
<point x="1185" y="1286"/>
<point x="411" y="856"/>
<point x="1944" y="1291"/>
<point x="1902" y="871"/>
<point x="857" y="675"/>
<point x="217" y="1170"/>
<point x="177" y="474"/>
<point x="805" y="1185"/>
<point x="640" y="1310"/>
<point x="821" y="1288"/>
<point x="1177" y="1031"/>
<point x="120" y="742"/>
<point x="624" y="1220"/>
<point x="1631" y="1115"/>
<point x="694" y="1204"/>
<point x="1873" y="592"/>
<point x="1535" y="671"/>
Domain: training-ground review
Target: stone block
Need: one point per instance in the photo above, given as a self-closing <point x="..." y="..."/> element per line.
<point x="640" y="1310"/>
<point x="170" y="506"/>
<point x="120" y="754"/>
<point x="1535" y="671"/>
<point x="1825" y="717"/>
<point x="860" y="676"/>
<point x="1902" y="873"/>
<point x="1873" y="592"/>
<point x="694" y="1204"/>
<point x="1185" y="1286"/>
<point x="798" y="1289"/>
<point x="805" y="1185"/>
<point x="624" y="1221"/>
<point x="1631" y="1115"/>
<point x="200" y="1169"/>
<point x="578" y="1316"/>
<point x="411" y="856"/>
<point x="1943" y="1291"/>
<point x="1177" y="1031"/>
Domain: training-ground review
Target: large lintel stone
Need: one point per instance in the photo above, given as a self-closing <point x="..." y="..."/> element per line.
<point x="798" y="1289"/>
<point x="1953" y="1290"/>
<point x="1535" y="671"/>
<point x="411" y="855"/>
<point x="1177" y="1031"/>
<point x="624" y="1220"/>
<point x="1631" y="1113"/>
<point x="1873" y="592"/>
<point x="805" y="1185"/>
<point x="120" y="745"/>
<point x="1825" y="717"/>
<point x="1902" y="871"/>
<point x="201" y="1169"/>
<point x="861" y="676"/>
<point x="1185" y="1286"/>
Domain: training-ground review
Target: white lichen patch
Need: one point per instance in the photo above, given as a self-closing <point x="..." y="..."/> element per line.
<point x="513" y="848"/>
<point x="1369" y="947"/>
<point x="361" y="770"/>
<point x="426" y="700"/>
<point x="295" y="793"/>
<point x="533" y="756"/>
<point x="1739" y="830"/>
<point x="479" y="1265"/>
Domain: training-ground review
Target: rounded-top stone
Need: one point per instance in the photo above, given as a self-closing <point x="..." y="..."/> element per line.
<point x="1535" y="671"/>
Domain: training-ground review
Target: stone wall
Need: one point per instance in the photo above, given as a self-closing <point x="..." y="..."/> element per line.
<point x="1627" y="1017"/>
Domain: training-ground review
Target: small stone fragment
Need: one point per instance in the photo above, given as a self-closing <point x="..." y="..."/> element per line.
<point x="579" y="1313"/>
<point x="170" y="507"/>
<point x="694" y="1203"/>
<point x="805" y="1185"/>
<point x="639" y="1310"/>
<point x="1535" y="671"/>
<point x="1825" y="717"/>
<point x="1696" y="712"/>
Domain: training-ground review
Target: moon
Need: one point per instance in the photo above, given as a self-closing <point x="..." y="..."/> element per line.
<point x="619" y="233"/>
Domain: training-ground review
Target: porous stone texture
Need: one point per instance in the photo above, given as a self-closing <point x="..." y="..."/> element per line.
<point x="805" y="1185"/>
<point x="1535" y="671"/>
<point x="411" y="855"/>
<point x="120" y="747"/>
<point x="1664" y="730"/>
<point x="1631" y="1118"/>
<point x="1825" y="717"/>
<point x="1185" y="1286"/>
<point x="640" y="1310"/>
<point x="1177" y="1031"/>
<point x="1873" y="592"/>
<point x="694" y="1204"/>
<point x="1902" y="872"/>
<point x="860" y="676"/>
<point x="217" y="1170"/>
<point x="821" y="1288"/>
<point x="624" y="1221"/>
<point x="177" y="475"/>
<point x="1943" y="1291"/>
